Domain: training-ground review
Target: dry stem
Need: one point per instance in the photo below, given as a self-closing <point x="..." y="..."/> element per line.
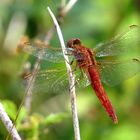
<point x="8" y="123"/>
<point x="71" y="78"/>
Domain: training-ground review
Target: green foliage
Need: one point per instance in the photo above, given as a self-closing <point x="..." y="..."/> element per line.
<point x="10" y="108"/>
<point x="55" y="118"/>
<point x="91" y="21"/>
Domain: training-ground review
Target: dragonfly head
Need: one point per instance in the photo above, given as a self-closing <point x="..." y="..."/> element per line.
<point x="72" y="43"/>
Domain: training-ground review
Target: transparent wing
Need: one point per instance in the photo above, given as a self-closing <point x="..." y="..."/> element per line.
<point x="51" y="82"/>
<point x="127" y="44"/>
<point x="114" y="72"/>
<point x="50" y="54"/>
<point x="54" y="82"/>
<point x="119" y="59"/>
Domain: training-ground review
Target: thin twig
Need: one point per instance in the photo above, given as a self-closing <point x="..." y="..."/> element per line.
<point x="63" y="3"/>
<point x="71" y="78"/>
<point x="8" y="123"/>
<point x="69" y="6"/>
<point x="64" y="9"/>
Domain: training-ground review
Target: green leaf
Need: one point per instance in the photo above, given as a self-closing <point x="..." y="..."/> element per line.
<point x="55" y="118"/>
<point x="10" y="108"/>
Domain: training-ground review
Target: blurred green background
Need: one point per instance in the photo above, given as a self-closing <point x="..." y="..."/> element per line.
<point x="91" y="21"/>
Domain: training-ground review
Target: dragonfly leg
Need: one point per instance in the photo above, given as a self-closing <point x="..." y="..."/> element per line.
<point x="69" y="54"/>
<point x="75" y="66"/>
<point x="72" y="61"/>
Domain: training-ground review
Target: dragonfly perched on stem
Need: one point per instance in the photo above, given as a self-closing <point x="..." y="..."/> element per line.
<point x="110" y="63"/>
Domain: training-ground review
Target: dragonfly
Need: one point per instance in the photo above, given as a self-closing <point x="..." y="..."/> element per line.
<point x="110" y="62"/>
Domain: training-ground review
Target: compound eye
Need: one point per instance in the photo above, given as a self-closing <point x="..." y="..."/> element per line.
<point x="73" y="42"/>
<point x="76" y="42"/>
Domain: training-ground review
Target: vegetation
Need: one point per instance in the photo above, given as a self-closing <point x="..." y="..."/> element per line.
<point x="49" y="116"/>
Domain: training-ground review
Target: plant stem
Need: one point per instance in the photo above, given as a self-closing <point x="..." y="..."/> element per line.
<point x="8" y="124"/>
<point x="71" y="77"/>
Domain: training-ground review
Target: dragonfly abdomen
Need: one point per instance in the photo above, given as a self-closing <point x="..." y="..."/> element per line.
<point x="100" y="92"/>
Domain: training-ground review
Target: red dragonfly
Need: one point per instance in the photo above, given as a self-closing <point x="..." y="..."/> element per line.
<point x="110" y="62"/>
